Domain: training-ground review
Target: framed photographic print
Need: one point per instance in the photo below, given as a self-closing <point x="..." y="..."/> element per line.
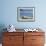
<point x="26" y="14"/>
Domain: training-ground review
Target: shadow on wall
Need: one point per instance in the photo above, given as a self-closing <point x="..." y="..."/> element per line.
<point x="2" y="26"/>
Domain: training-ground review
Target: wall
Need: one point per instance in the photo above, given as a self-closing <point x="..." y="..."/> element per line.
<point x="8" y="13"/>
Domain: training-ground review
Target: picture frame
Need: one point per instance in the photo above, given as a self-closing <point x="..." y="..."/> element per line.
<point x="26" y="14"/>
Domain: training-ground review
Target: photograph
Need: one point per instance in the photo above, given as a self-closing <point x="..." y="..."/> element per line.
<point x="26" y="14"/>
